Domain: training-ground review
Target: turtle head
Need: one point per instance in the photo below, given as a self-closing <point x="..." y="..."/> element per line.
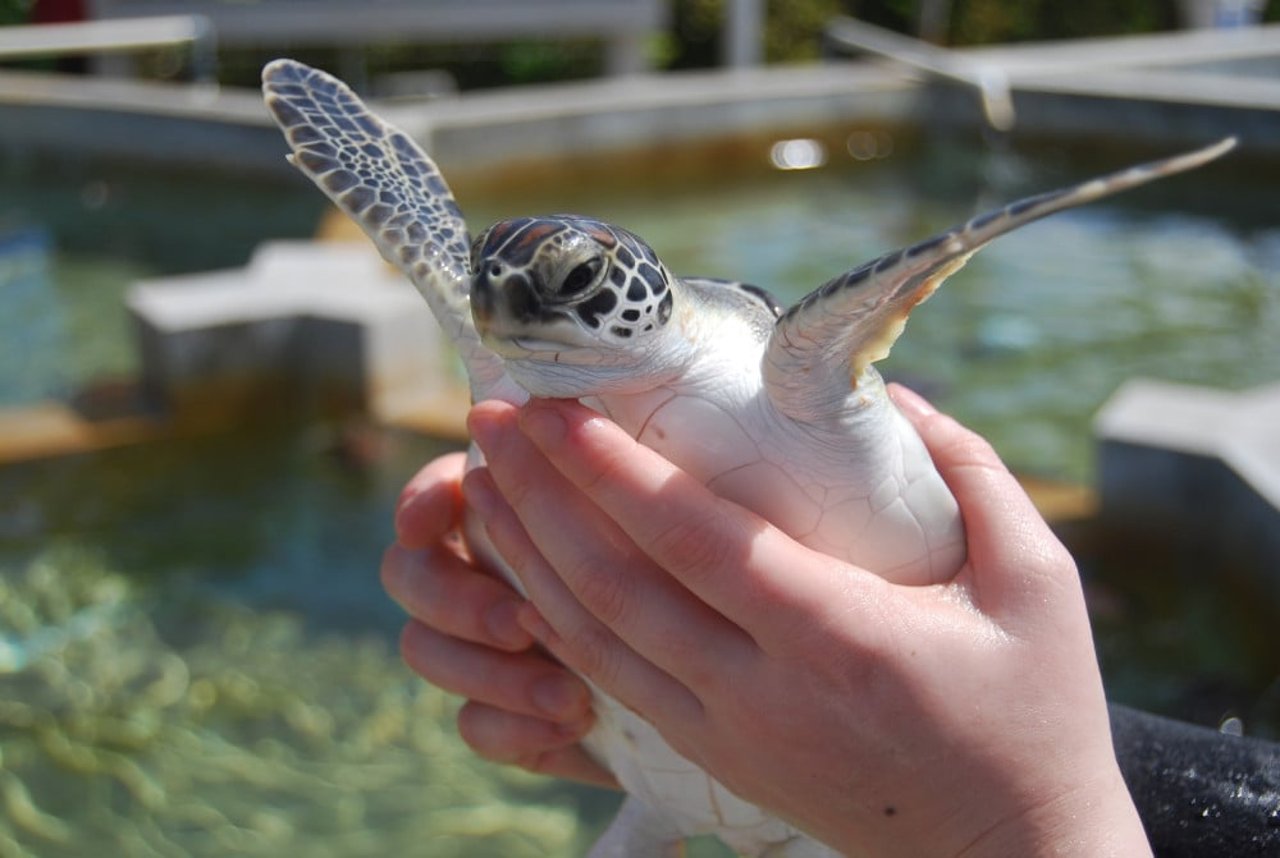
<point x="574" y="306"/>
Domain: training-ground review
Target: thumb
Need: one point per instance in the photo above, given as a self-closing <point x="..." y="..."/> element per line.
<point x="1009" y="543"/>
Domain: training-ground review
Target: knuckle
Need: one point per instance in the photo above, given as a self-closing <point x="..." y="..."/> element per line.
<point x="504" y="737"/>
<point x="691" y="545"/>
<point x="608" y="471"/>
<point x="606" y="593"/>
<point x="593" y="651"/>
<point x="705" y="675"/>
<point x="517" y="487"/>
<point x="434" y="589"/>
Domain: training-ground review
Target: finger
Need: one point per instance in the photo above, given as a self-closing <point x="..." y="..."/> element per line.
<point x="603" y="571"/>
<point x="1005" y="533"/>
<point x="430" y="506"/>
<point x="733" y="560"/>
<point x="573" y="634"/>
<point x="439" y="589"/>
<point x="524" y="683"/>
<point x="972" y="470"/>
<point x="531" y="743"/>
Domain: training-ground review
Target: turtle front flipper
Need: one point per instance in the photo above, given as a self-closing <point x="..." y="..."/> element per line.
<point x="821" y="347"/>
<point x="384" y="182"/>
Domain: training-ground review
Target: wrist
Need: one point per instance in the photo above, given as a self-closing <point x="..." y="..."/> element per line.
<point x="1091" y="820"/>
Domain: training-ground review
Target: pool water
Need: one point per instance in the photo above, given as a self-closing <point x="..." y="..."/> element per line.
<point x="75" y="234"/>
<point x="1179" y="281"/>
<point x="195" y="654"/>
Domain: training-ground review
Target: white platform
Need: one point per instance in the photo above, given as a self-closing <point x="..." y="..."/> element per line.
<point x="1194" y="467"/>
<point x="302" y="316"/>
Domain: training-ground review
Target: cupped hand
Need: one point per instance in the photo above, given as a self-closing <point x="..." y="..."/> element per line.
<point x="960" y="718"/>
<point x="523" y="707"/>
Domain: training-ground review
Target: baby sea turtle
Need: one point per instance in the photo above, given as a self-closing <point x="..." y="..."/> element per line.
<point x="778" y="410"/>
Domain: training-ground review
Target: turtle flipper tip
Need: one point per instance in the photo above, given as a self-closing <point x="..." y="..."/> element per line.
<point x="1204" y="154"/>
<point x="283" y="70"/>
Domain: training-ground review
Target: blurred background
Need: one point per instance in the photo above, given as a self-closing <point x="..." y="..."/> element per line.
<point x="211" y="390"/>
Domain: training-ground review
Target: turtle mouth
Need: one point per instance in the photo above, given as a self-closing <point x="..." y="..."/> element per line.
<point x="513" y="345"/>
<point x="534" y="345"/>
<point x="553" y="332"/>
<point x="539" y="348"/>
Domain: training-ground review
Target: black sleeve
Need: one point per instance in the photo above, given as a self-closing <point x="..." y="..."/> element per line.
<point x="1199" y="792"/>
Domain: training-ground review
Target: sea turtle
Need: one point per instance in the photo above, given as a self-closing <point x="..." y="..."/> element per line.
<point x="779" y="410"/>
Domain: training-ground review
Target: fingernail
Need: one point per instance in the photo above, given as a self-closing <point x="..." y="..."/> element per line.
<point x="559" y="696"/>
<point x="543" y="423"/>
<point x="501" y="622"/>
<point x="911" y="402"/>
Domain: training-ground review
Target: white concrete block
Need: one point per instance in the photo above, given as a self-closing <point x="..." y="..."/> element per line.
<point x="1194" y="469"/>
<point x="314" y="315"/>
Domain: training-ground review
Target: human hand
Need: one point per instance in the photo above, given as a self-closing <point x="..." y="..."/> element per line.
<point x="523" y="708"/>
<point x="960" y="718"/>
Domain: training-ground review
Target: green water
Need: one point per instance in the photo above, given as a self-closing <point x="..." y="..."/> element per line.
<point x="195" y="660"/>
<point x="62" y="318"/>
<point x="1180" y="281"/>
<point x="195" y="655"/>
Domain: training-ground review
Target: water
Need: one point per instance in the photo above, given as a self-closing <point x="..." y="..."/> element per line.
<point x="1180" y="281"/>
<point x="197" y="660"/>
<point x="101" y="226"/>
<point x="195" y="654"/>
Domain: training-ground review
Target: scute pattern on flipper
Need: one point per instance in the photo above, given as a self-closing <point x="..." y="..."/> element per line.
<point x="388" y="186"/>
<point x="375" y="173"/>
<point x="822" y="345"/>
<point x="855" y="482"/>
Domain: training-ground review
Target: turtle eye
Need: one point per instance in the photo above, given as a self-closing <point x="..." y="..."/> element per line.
<point x="581" y="277"/>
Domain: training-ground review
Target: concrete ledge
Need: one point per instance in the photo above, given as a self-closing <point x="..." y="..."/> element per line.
<point x="654" y="111"/>
<point x="305" y="327"/>
<point x="1194" y="470"/>
<point x="623" y="25"/>
<point x="55" y="429"/>
<point x="1158" y="89"/>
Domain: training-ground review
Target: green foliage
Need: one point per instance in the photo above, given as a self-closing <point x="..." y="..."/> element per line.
<point x="988" y="21"/>
<point x="794" y="27"/>
<point x="792" y="30"/>
<point x="14" y="11"/>
<point x="543" y="61"/>
<point x="900" y="15"/>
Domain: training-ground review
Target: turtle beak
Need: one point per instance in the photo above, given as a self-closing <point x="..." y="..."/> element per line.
<point x="505" y="305"/>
